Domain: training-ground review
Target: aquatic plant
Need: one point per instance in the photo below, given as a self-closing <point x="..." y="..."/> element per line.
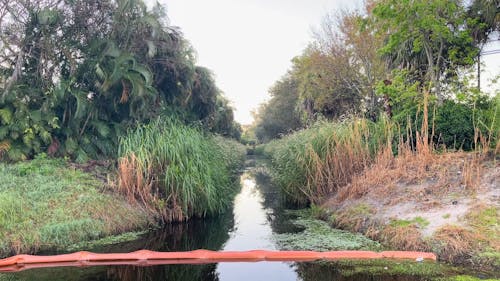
<point x="319" y="236"/>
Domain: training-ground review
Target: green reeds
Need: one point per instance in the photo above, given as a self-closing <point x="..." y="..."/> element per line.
<point x="315" y="162"/>
<point x="177" y="171"/>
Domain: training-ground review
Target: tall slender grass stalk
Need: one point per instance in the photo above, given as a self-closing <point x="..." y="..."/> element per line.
<point x="177" y="171"/>
<point x="317" y="161"/>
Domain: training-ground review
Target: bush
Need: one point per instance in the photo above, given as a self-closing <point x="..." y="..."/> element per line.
<point x="454" y="126"/>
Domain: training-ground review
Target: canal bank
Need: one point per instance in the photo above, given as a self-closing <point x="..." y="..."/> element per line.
<point x="259" y="220"/>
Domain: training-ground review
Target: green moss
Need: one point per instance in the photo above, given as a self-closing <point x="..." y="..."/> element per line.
<point x="390" y="267"/>
<point x="319" y="236"/>
<point x="419" y="221"/>
<point x="446" y="216"/>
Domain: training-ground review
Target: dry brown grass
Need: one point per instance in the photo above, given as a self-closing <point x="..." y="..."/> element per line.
<point x="417" y="161"/>
<point x="406" y="238"/>
<point x="354" y="218"/>
<point x="472" y="171"/>
<point x="133" y="180"/>
<point x="456" y="244"/>
<point x="4" y="147"/>
<point x="423" y="165"/>
<point x="139" y="184"/>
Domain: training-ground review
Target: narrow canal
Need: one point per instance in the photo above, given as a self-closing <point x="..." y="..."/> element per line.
<point x="256" y="221"/>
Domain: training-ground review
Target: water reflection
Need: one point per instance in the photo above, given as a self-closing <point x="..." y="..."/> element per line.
<point x="253" y="230"/>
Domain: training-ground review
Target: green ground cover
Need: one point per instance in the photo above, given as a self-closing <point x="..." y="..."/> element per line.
<point x="45" y="204"/>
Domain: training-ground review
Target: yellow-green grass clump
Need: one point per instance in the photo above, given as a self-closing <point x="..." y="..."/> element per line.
<point x="178" y="171"/>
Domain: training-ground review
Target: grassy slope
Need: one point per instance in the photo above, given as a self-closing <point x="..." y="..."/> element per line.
<point x="44" y="204"/>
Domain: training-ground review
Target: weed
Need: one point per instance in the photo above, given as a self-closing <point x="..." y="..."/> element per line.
<point x="316" y="162"/>
<point x="417" y="221"/>
<point x="403" y="237"/>
<point x="455" y="244"/>
<point x="355" y="218"/>
<point x="485" y="220"/>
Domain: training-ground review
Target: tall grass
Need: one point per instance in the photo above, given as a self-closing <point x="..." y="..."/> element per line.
<point x="332" y="157"/>
<point x="315" y="162"/>
<point x="177" y="171"/>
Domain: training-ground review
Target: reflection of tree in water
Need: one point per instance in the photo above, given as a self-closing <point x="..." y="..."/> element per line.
<point x="330" y="271"/>
<point x="274" y="202"/>
<point x="165" y="272"/>
<point x="209" y="233"/>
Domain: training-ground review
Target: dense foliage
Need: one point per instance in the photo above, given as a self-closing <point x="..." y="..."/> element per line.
<point x="74" y="75"/>
<point x="315" y="162"/>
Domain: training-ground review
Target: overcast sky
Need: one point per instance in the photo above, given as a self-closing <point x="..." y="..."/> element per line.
<point x="248" y="44"/>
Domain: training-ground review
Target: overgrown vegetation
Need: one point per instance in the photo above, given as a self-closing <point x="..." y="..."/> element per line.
<point x="94" y="80"/>
<point x="44" y="204"/>
<point x="313" y="163"/>
<point x="177" y="171"/>
<point x="384" y="59"/>
<point x="398" y="88"/>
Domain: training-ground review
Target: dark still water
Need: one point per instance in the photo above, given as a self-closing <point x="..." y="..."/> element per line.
<point x="257" y="216"/>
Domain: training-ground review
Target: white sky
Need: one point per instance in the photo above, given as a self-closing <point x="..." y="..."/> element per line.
<point x="248" y="44"/>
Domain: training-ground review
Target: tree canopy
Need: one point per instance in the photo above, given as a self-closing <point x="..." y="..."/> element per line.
<point x="75" y="75"/>
<point x="381" y="60"/>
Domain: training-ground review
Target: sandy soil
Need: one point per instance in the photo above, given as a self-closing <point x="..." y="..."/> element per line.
<point x="451" y="187"/>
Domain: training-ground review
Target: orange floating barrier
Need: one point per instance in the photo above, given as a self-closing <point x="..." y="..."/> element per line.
<point x="148" y="258"/>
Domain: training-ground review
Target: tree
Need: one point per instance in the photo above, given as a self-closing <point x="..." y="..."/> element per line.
<point x="427" y="37"/>
<point x="280" y="115"/>
<point x="350" y="31"/>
